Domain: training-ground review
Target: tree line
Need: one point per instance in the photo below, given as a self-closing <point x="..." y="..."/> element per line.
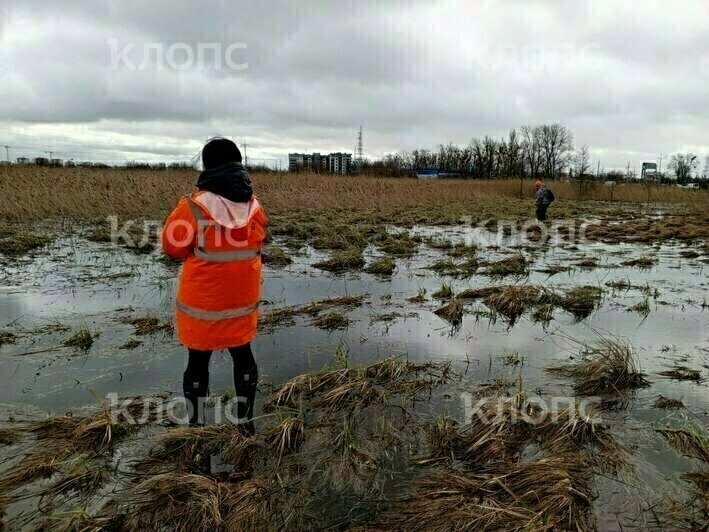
<point x="541" y="151"/>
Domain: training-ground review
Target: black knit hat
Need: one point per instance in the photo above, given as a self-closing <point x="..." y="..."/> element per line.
<point x="219" y="151"/>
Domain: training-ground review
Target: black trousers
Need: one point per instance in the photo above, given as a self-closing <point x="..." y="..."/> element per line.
<point x="542" y="212"/>
<point x="195" y="381"/>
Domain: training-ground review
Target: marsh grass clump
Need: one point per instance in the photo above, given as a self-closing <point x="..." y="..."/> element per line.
<point x="607" y="367"/>
<point x="543" y="314"/>
<point x="512" y="301"/>
<point x="342" y="261"/>
<point x="131" y="344"/>
<point x="190" y="448"/>
<point x="452" y="312"/>
<point x="619" y="284"/>
<point x="435" y="243"/>
<point x="463" y="250"/>
<point x="174" y="501"/>
<point x="7" y="338"/>
<point x="17" y="243"/>
<point x="644" y="261"/>
<point x="338" y="237"/>
<point x="691" y="441"/>
<point x="278" y="317"/>
<point x="682" y="373"/>
<point x="420" y="296"/>
<point x="514" y="265"/>
<point x="587" y="263"/>
<point x="287" y="435"/>
<point x="347" y="301"/>
<point x="444" y="267"/>
<point x="667" y="403"/>
<point x="332" y="321"/>
<point x="397" y="244"/>
<point x="82" y="339"/>
<point x="444" y="292"/>
<point x="552" y="493"/>
<point x="146" y="325"/>
<point x="66" y="442"/>
<point x="689" y="254"/>
<point x="642" y="308"/>
<point x="553" y="269"/>
<point x="478" y="293"/>
<point x="581" y="301"/>
<point x="275" y="256"/>
<point x="381" y="266"/>
<point x="9" y="436"/>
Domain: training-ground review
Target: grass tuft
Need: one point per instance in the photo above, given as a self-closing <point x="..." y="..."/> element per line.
<point x="382" y="266"/>
<point x="332" y="321"/>
<point x="608" y="367"/>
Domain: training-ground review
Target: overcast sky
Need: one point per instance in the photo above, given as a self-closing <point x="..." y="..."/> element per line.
<point x="122" y="79"/>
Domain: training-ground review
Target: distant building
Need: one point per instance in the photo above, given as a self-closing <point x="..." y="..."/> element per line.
<point x="41" y="161"/>
<point x="649" y="172"/>
<point x="340" y="163"/>
<point x="336" y="163"/>
<point x="56" y="162"/>
<point x="23" y="160"/>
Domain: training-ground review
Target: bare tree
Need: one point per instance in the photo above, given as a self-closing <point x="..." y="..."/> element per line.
<point x="511" y="162"/>
<point x="532" y="149"/>
<point x="582" y="161"/>
<point x="706" y="168"/>
<point x="557" y="147"/>
<point x="683" y="164"/>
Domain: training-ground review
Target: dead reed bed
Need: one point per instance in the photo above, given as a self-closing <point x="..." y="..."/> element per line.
<point x="335" y="435"/>
<point x="35" y="193"/>
<point x="693" y="514"/>
<point x="512" y="301"/>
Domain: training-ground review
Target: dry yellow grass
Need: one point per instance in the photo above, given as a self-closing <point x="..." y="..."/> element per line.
<point x="35" y="193"/>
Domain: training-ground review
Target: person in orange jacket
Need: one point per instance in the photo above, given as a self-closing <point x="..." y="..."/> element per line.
<point x="218" y="232"/>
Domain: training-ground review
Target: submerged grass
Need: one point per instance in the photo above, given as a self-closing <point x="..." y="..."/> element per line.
<point x="682" y="373"/>
<point x="145" y="325"/>
<point x="667" y="403"/>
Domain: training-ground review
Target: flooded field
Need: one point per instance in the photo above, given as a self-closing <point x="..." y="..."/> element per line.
<point x="501" y="309"/>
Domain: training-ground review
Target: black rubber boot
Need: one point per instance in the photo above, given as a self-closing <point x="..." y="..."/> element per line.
<point x="245" y="387"/>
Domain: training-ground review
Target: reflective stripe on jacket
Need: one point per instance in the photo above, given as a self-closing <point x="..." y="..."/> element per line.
<point x="219" y="286"/>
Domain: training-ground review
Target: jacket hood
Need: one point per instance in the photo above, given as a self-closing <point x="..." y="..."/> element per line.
<point x="229" y="181"/>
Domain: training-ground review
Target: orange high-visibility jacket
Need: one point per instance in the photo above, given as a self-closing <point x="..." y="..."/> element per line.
<point x="218" y="292"/>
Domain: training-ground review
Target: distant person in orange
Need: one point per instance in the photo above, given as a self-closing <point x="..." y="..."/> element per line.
<point x="543" y="199"/>
<point x="218" y="232"/>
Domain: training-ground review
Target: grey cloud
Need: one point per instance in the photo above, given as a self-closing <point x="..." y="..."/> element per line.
<point x="413" y="73"/>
